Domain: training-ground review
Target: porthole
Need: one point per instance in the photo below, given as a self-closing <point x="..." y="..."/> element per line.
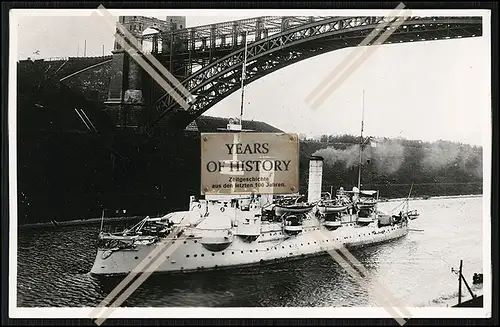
<point x="256" y="250"/>
<point x="232" y="252"/>
<point x="195" y="241"/>
<point x="250" y="250"/>
<point x="202" y="255"/>
<point x="195" y="255"/>
<point x="213" y="254"/>
<point x="136" y="258"/>
<point x="241" y="251"/>
<point x="187" y="255"/>
<point x="184" y="242"/>
<point x="222" y="253"/>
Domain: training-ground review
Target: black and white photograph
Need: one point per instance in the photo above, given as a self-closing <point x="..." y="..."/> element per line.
<point x="250" y="163"/>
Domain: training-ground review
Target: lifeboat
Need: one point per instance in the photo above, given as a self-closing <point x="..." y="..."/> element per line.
<point x="331" y="208"/>
<point x="293" y="208"/>
<point x="217" y="243"/>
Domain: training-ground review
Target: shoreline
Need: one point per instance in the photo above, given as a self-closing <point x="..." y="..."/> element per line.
<point x="90" y="221"/>
<point x="437" y="197"/>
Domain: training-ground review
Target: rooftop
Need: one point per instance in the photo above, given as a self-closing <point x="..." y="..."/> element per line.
<point x="209" y="124"/>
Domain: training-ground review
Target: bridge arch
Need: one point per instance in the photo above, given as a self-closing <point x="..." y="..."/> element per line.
<point x="222" y="77"/>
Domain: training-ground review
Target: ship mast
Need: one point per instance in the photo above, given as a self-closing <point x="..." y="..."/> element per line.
<point x="361" y="141"/>
<point x="243" y="77"/>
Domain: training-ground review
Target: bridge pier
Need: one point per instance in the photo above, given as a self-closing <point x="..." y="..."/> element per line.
<point x="125" y="102"/>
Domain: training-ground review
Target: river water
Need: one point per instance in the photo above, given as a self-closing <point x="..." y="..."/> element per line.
<point x="53" y="265"/>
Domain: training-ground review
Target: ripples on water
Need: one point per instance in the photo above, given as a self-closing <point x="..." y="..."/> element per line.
<point x="53" y="265"/>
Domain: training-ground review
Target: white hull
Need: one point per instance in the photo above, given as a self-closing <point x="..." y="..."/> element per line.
<point x="272" y="245"/>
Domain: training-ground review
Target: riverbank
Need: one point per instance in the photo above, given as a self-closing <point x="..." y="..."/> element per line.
<point x="90" y="221"/>
<point x="435" y="197"/>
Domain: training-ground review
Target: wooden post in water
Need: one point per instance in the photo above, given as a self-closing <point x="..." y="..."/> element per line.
<point x="460" y="283"/>
<point x="468" y="287"/>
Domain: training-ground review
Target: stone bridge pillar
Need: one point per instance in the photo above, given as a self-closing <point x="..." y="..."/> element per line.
<point x="125" y="101"/>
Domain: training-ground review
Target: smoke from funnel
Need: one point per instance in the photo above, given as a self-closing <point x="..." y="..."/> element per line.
<point x="388" y="155"/>
<point x="443" y="154"/>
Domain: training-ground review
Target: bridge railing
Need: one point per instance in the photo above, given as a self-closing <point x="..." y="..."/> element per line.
<point x="230" y="35"/>
<point x="224" y="35"/>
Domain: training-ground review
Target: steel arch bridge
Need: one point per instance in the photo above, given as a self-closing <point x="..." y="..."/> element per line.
<point x="274" y="43"/>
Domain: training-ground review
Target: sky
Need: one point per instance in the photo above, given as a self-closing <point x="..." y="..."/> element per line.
<point x="422" y="91"/>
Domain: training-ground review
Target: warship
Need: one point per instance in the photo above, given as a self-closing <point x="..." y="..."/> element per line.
<point x="218" y="232"/>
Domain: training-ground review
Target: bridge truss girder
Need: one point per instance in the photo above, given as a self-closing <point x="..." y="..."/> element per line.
<point x="222" y="77"/>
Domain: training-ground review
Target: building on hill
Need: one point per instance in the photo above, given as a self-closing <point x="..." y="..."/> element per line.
<point x="209" y="124"/>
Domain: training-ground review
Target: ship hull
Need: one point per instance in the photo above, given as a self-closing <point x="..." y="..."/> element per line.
<point x="272" y="246"/>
